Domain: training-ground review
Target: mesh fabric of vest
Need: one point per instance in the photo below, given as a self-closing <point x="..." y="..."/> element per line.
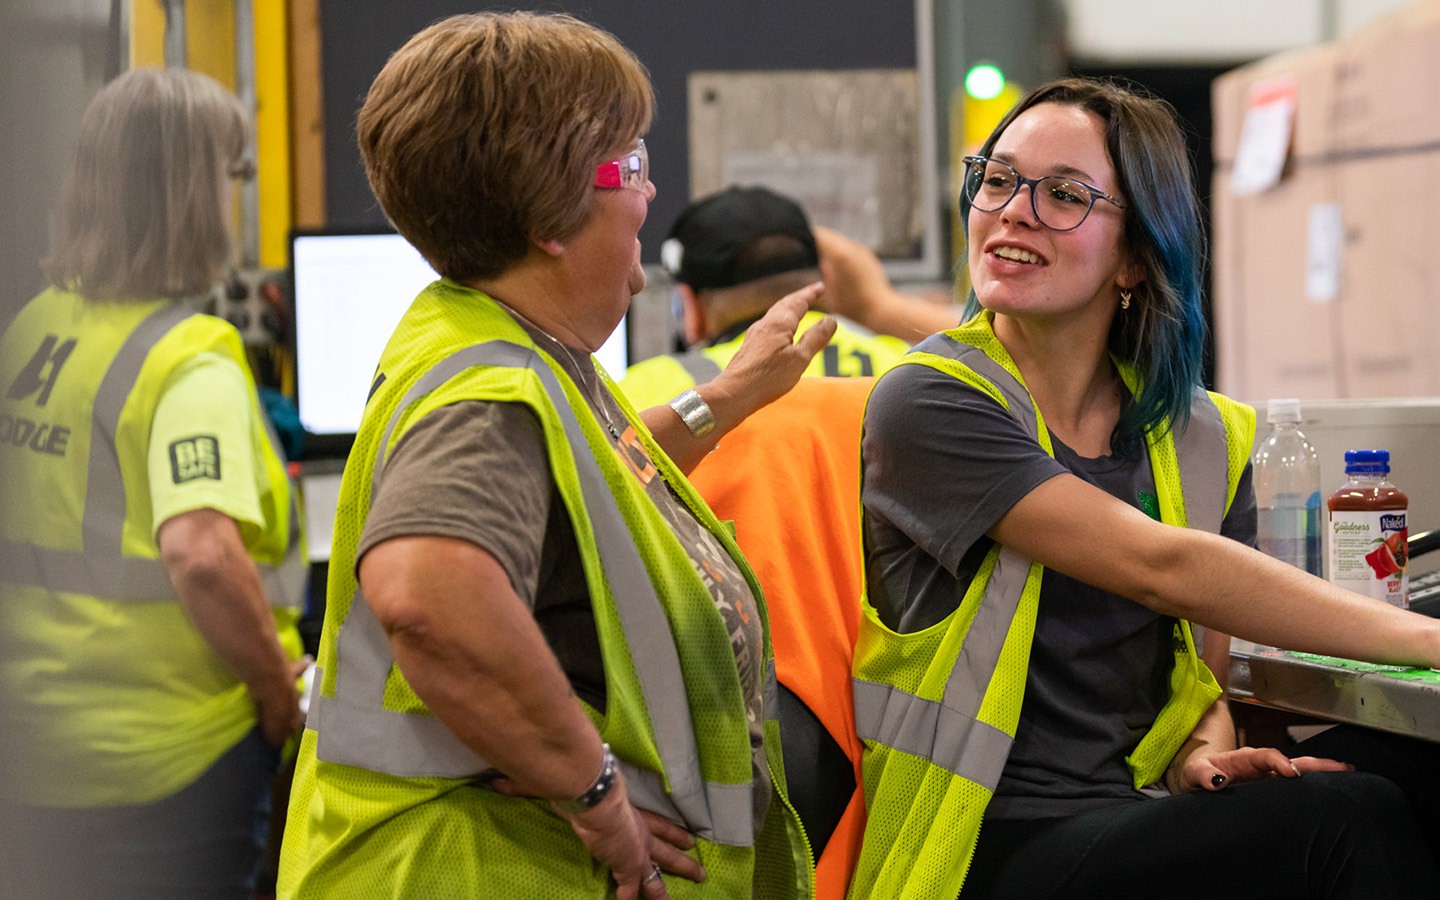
<point x="365" y="834"/>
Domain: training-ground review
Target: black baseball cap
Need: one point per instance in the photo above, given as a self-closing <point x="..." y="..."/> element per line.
<point x="714" y="243"/>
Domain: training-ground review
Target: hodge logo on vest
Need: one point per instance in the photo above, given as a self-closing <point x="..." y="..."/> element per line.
<point x="28" y="380"/>
<point x="40" y="437"/>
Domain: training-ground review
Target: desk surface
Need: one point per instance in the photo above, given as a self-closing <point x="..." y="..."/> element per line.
<point x="1389" y="698"/>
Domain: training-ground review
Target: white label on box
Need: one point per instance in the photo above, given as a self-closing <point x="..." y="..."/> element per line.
<point x="1264" y="138"/>
<point x="1322" y="252"/>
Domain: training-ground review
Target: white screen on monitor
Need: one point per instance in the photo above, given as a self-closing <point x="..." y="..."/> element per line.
<point x="350" y="292"/>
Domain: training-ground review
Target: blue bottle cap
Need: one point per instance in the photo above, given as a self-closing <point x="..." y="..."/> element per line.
<point x="1370" y="461"/>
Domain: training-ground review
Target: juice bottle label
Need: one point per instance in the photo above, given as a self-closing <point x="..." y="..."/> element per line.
<point x="1367" y="554"/>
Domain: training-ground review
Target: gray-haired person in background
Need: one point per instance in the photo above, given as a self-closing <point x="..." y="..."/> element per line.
<point x="151" y="566"/>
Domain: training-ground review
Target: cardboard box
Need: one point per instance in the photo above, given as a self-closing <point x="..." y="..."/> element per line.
<point x="1327" y="284"/>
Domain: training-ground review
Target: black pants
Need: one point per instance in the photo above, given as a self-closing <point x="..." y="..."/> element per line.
<point x="1370" y="833"/>
<point x="198" y="844"/>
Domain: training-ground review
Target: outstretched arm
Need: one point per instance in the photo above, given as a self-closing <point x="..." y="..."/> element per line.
<point x="1076" y="528"/>
<point x="857" y="288"/>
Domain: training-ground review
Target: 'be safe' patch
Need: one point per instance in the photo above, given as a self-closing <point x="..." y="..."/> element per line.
<point x="195" y="457"/>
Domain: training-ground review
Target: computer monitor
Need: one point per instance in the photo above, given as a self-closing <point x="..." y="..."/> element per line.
<point x="350" y="289"/>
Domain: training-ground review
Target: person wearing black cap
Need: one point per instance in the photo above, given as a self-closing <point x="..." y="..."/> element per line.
<point x="734" y="254"/>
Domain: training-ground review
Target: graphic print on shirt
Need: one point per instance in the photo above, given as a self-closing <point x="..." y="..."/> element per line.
<point x="633" y="452"/>
<point x="195" y="457"/>
<point x="726" y="585"/>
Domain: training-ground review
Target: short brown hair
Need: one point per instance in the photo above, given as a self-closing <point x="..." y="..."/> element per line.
<point x="484" y="131"/>
<point x="145" y="212"/>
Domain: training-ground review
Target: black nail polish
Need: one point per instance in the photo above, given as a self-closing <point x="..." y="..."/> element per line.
<point x="1217" y="780"/>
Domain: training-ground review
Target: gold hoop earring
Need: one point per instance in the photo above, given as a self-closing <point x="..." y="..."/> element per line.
<point x="1124" y="299"/>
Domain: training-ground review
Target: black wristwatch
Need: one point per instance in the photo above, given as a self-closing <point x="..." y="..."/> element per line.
<point x="598" y="790"/>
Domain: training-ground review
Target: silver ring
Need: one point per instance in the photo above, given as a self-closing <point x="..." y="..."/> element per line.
<point x="654" y="873"/>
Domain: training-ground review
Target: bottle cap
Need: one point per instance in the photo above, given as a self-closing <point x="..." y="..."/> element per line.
<point x="1286" y="409"/>
<point x="1367" y="461"/>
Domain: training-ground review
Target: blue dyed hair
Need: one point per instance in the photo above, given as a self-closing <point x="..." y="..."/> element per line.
<point x="1163" y="332"/>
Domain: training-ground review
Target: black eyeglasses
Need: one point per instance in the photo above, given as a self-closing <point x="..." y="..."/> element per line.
<point x="1060" y="203"/>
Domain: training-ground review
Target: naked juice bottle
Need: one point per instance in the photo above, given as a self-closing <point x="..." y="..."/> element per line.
<point x="1367" y="530"/>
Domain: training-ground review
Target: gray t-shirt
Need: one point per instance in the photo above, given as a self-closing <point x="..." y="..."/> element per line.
<point x="1099" y="664"/>
<point x="478" y="471"/>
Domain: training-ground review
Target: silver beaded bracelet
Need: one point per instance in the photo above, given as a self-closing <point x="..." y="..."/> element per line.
<point x="598" y="789"/>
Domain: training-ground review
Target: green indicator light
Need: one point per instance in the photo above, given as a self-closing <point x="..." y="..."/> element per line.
<point x="984" y="82"/>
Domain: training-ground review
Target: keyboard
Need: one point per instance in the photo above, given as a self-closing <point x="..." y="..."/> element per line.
<point x="1425" y="594"/>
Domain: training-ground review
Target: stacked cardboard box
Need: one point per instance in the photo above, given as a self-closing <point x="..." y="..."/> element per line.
<point x="1327" y="284"/>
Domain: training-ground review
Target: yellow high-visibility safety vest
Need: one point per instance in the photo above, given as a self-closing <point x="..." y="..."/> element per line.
<point x="850" y="354"/>
<point x="386" y="803"/>
<point x="120" y="699"/>
<point x="938" y="728"/>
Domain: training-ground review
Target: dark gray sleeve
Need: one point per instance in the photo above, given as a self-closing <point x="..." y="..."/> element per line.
<point x="943" y="462"/>
<point x="475" y="471"/>
<point x="1241" y="522"/>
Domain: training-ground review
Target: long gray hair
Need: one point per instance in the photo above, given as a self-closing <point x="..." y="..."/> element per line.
<point x="146" y="211"/>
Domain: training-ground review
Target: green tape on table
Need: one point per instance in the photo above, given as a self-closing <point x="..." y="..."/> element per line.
<point x="1430" y="676"/>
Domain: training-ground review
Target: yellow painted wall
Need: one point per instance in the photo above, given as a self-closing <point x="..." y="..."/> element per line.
<point x="147" y="33"/>
<point x="272" y="113"/>
<point x="210" y="48"/>
<point x="209" y="37"/>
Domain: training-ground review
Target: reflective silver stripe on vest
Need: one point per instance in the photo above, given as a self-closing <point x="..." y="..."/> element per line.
<point x="959" y="744"/>
<point x="1201" y="452"/>
<point x="354" y="728"/>
<point x="1200" y="446"/>
<point x="1204" y="474"/>
<point x="101" y="570"/>
<point x="699" y="366"/>
<point x="948" y="733"/>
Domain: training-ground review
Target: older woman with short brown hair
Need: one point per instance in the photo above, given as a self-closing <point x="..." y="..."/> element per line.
<point x="429" y="130"/>
<point x="546" y="670"/>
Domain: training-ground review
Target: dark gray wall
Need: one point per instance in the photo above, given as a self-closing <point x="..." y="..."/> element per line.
<point x="54" y="56"/>
<point x="671" y="38"/>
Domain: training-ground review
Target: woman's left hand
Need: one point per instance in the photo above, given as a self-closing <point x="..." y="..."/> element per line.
<point x="769" y="362"/>
<point x="771" y="358"/>
<point x="669" y="842"/>
<point x="668" y="845"/>
<point x="1213" y="771"/>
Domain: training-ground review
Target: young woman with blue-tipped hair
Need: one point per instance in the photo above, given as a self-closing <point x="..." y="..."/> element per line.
<point x="1027" y="651"/>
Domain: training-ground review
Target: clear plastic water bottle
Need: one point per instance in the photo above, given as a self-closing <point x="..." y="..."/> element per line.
<point x="1287" y="490"/>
